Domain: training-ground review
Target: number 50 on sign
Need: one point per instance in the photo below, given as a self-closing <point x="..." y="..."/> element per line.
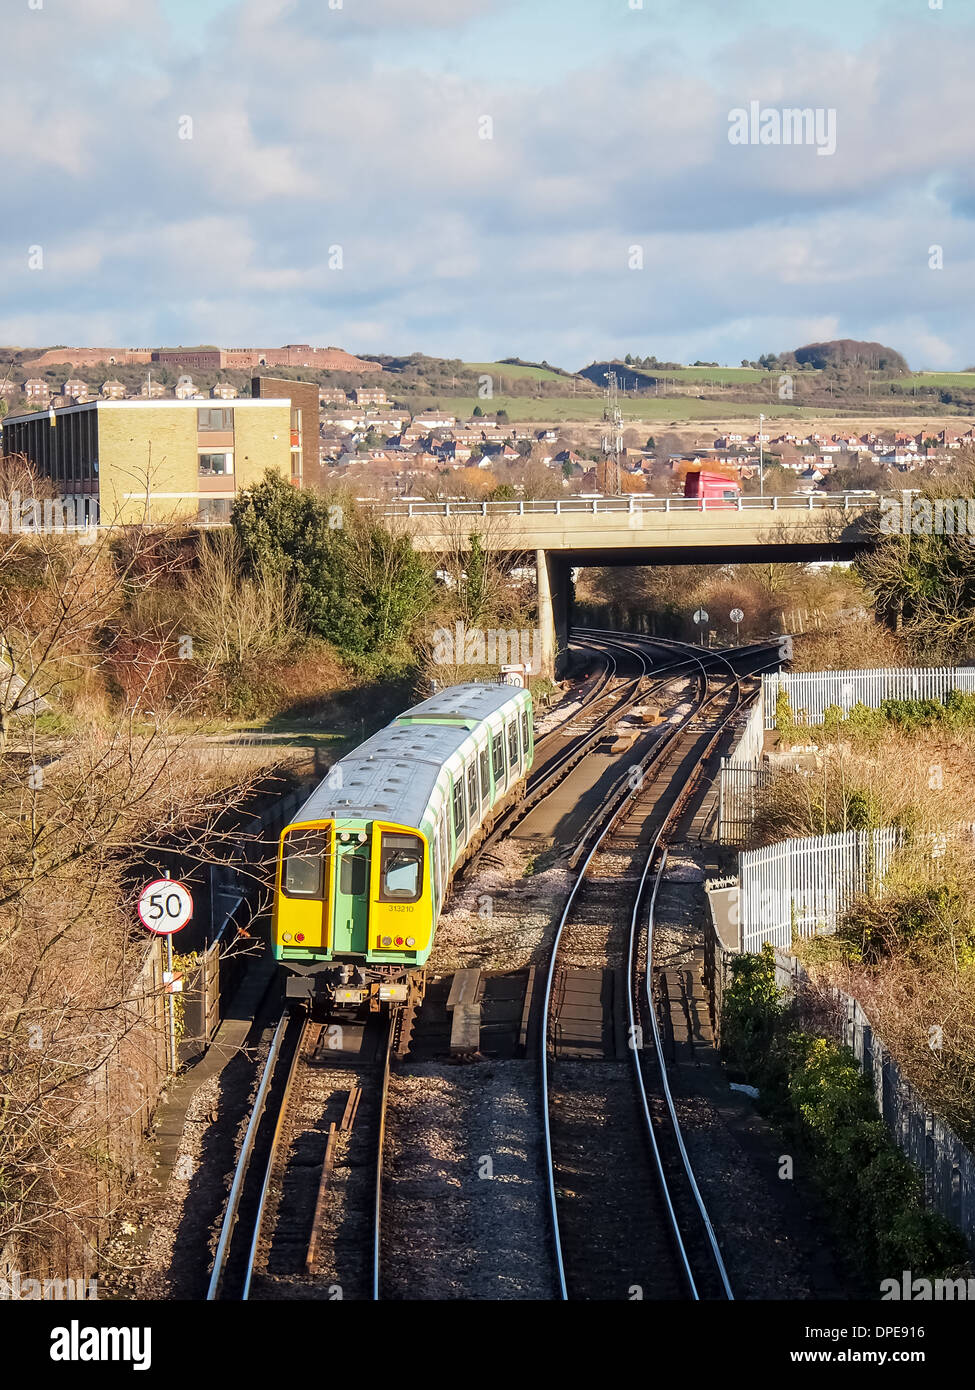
<point x="165" y="906"/>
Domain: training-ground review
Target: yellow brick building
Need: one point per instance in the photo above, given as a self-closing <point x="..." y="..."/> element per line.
<point x="137" y="461"/>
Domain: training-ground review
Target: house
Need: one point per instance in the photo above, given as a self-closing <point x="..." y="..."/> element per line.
<point x="223" y="391"/>
<point x="185" y="390"/>
<point x="75" y="389"/>
<point x="369" y="395"/>
<point x="37" y="389"/>
<point x="434" y="419"/>
<point x="347" y="420"/>
<point x="113" y="390"/>
<point x="332" y="395"/>
<point x="152" y="390"/>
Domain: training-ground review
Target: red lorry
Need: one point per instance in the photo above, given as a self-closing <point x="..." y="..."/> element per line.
<point x="714" y="489"/>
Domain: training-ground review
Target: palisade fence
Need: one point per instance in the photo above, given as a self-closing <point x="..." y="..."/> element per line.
<point x="812" y="692"/>
<point x="948" y="1167"/>
<point x="741" y="778"/>
<point x="803" y="887"/>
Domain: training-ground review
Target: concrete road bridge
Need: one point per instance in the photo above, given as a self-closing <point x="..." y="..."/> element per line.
<point x="638" y="530"/>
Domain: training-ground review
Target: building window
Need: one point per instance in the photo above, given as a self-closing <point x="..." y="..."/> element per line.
<point x="214" y="511"/>
<point x="212" y="418"/>
<point x="216" y="465"/>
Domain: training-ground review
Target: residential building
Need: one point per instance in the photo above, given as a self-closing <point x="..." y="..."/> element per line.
<point x="303" y="442"/>
<point x="223" y="391"/>
<point x="37" y="389"/>
<point x="369" y="395"/>
<point x="433" y="420"/>
<point x="75" y="389"/>
<point x="132" y="461"/>
<point x="113" y="390"/>
<point x="152" y="390"/>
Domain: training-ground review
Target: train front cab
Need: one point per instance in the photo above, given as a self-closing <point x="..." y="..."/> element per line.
<point x="353" y="912"/>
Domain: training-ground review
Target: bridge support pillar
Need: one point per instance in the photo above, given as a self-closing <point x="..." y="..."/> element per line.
<point x="553" y="611"/>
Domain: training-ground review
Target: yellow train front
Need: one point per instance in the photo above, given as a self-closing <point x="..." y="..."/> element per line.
<point x="364" y="868"/>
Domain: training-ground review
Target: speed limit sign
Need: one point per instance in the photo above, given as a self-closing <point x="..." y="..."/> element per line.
<point x="165" y="906"/>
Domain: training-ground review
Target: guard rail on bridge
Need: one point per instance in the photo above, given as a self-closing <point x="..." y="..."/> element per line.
<point x="634" y="502"/>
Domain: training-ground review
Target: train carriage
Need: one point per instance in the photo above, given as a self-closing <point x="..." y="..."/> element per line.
<point x="364" y="867"/>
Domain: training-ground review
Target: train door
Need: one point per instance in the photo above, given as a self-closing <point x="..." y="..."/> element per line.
<point x="351" y="910"/>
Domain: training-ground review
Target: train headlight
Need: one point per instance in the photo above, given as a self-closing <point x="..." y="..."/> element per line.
<point x="387" y="941"/>
<point x="362" y="837"/>
<point x="411" y="941"/>
<point x="345" y="837"/>
<point x="286" y="936"/>
<point x="299" y="936"/>
<point x="399" y="941"/>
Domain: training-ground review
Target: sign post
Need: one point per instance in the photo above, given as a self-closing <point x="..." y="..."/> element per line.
<point x="165" y="906"/>
<point x="736" y="616"/>
<point x="701" y="618"/>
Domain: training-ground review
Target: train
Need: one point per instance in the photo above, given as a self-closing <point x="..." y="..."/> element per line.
<point x="364" y="868"/>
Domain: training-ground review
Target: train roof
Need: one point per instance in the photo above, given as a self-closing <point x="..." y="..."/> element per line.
<point x="469" y="703"/>
<point x="393" y="774"/>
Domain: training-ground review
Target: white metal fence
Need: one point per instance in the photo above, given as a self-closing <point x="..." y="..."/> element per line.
<point x="931" y="1145"/>
<point x="741" y="778"/>
<point x="812" y="692"/>
<point x="803" y="887"/>
<point x="634" y="502"/>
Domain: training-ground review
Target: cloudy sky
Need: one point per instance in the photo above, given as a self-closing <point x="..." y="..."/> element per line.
<point x="483" y="178"/>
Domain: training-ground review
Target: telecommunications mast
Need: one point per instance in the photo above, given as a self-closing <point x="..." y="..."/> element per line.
<point x="613" y="439"/>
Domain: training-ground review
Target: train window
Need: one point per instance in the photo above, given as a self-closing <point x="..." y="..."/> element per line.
<point x="472" y="789"/>
<point x="497" y="754"/>
<point x="304" y="863"/>
<point x="459" y="819"/>
<point x="400" y="868"/>
<point x="513" y="744"/>
<point x="483" y="759"/>
<point x="353" y="874"/>
<point x="526" y="736"/>
<point x="444" y="847"/>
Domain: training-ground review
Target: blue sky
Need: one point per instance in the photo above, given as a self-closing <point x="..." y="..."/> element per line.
<point x="336" y="187"/>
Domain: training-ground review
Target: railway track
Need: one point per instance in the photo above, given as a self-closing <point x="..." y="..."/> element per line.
<point x="627" y="1216"/>
<point x="604" y="705"/>
<point x="303" y="1218"/>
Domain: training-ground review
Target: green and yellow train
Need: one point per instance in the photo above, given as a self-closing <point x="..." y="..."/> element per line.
<point x="363" y="869"/>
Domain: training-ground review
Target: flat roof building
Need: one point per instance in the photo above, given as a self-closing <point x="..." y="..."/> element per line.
<point x="143" y="460"/>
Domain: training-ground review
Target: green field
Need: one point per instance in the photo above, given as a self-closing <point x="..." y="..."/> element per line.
<point x="937" y="379"/>
<point x="589" y="409"/>
<point x="502" y="369"/>
<point x="727" y="376"/>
